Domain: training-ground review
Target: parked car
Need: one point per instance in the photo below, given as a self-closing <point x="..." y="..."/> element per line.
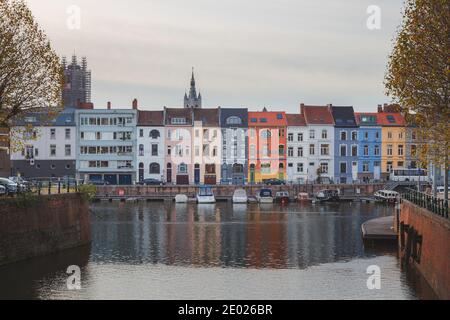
<point x="10" y="186"/>
<point x="2" y="191"/>
<point x="274" y="182"/>
<point x="22" y="184"/>
<point x="98" y="182"/>
<point x="151" y="182"/>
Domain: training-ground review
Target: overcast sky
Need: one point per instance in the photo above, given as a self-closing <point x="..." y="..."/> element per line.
<point x="246" y="53"/>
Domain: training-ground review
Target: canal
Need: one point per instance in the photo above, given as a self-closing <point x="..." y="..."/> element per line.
<point x="161" y="250"/>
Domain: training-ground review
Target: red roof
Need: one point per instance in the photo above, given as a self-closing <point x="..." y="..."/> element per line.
<point x="296" y="120"/>
<point x="391" y="119"/>
<point x="267" y="118"/>
<point x="317" y="115"/>
<point x="358" y="116"/>
<point x="150" y="118"/>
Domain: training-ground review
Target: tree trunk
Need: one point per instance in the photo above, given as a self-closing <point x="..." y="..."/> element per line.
<point x="446" y="178"/>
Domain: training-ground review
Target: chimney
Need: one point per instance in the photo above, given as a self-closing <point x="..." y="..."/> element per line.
<point x="135" y="104"/>
<point x="302" y="108"/>
<point x="380" y="108"/>
<point x="109" y="105"/>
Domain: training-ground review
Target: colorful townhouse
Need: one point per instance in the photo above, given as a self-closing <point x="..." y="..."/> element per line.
<point x="267" y="146"/>
<point x="320" y="153"/>
<point x="297" y="149"/>
<point x="393" y="136"/>
<point x="106" y="144"/>
<point x="234" y="126"/>
<point x="345" y="145"/>
<point x="178" y="123"/>
<point x="369" y="153"/>
<point x="49" y="147"/>
<point x="207" y="146"/>
<point x="151" y="146"/>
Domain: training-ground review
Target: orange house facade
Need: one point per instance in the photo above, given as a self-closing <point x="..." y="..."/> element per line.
<point x="267" y="146"/>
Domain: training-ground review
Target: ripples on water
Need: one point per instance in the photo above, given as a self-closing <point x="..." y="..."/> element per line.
<point x="222" y="251"/>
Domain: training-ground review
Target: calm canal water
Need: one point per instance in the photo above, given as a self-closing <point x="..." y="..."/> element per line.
<point x="221" y="251"/>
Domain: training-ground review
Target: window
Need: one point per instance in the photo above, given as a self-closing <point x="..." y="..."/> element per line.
<point x="324" y="134"/>
<point x="214" y="154"/>
<point x="141" y="133"/>
<point x="377" y="135"/>
<point x="233" y="120"/>
<point x="279" y="116"/>
<point x="300" y="152"/>
<point x="400" y="150"/>
<point x="67" y="134"/>
<point x="265" y="168"/>
<point x="169" y="150"/>
<point x="377" y="150"/>
<point x="252" y="133"/>
<point x="141" y="150"/>
<point x="265" y="151"/>
<point x="263" y="120"/>
<point x="400" y="164"/>
<point x="300" y="137"/>
<point x="343" y="150"/>
<point x="53" y="134"/>
<point x="154" y="134"/>
<point x="389" y="149"/>
<point x="67" y="150"/>
<point x="197" y="151"/>
<point x="324" y="150"/>
<point x="324" y="167"/>
<point x="266" y="134"/>
<point x="366" y="150"/>
<point x="252" y="151"/>
<point x="299" y="167"/>
<point x="389" y="135"/>
<point x="311" y="149"/>
<point x="354" y="151"/>
<point x="365" y="166"/>
<point x="354" y="135"/>
<point x="312" y="134"/>
<point x="253" y="120"/>
<point x="391" y="119"/>
<point x="154" y="150"/>
<point x="290" y="137"/>
<point x="36" y="152"/>
<point x="413" y="150"/>
<point x="52" y="150"/>
<point x="290" y="152"/>
<point x="343" y="135"/>
<point x="413" y="135"/>
<point x="178" y="120"/>
<point x="182" y="168"/>
<point x="281" y="150"/>
<point x="400" y="135"/>
<point x="98" y="135"/>
<point x="154" y="168"/>
<point x="366" y="135"/>
<point x="343" y="167"/>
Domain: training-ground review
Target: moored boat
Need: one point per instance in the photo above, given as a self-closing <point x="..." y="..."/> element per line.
<point x="240" y="196"/>
<point x="265" y="196"/>
<point x="181" y="198"/>
<point x="386" y="196"/>
<point x="282" y="197"/>
<point x="303" y="197"/>
<point x="205" y="195"/>
<point x="327" y="195"/>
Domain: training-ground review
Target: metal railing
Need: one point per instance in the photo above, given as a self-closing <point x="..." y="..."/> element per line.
<point x="426" y="201"/>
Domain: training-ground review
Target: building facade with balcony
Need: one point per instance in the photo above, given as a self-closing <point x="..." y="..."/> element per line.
<point x="106" y="145"/>
<point x="207" y="146"/>
<point x="234" y="126"/>
<point x="369" y="153"/>
<point x="297" y="149"/>
<point x="320" y="153"/>
<point x="267" y="146"/>
<point x="150" y="145"/>
<point x="48" y="146"/>
<point x="346" y="145"/>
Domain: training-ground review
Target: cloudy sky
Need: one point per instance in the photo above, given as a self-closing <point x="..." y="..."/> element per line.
<point x="246" y="53"/>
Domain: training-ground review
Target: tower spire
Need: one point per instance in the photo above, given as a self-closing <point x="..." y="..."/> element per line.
<point x="193" y="100"/>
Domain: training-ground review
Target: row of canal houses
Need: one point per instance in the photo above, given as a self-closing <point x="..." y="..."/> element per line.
<point x="193" y="145"/>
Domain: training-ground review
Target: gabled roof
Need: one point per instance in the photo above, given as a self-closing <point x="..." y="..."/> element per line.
<point x="320" y="115"/>
<point x="171" y="113"/>
<point x="65" y="118"/>
<point x="267" y="118"/>
<point x="391" y="119"/>
<point x="150" y="118"/>
<point x="295" y="120"/>
<point x="208" y="117"/>
<point x="343" y="116"/>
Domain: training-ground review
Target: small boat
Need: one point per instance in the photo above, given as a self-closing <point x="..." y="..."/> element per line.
<point x="282" y="197"/>
<point x="181" y="198"/>
<point x="205" y="195"/>
<point x="240" y="196"/>
<point x="386" y="196"/>
<point x="327" y="195"/>
<point x="265" y="196"/>
<point x="303" y="197"/>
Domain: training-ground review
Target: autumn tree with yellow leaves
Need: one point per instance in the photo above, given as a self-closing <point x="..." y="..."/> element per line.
<point x="418" y="76"/>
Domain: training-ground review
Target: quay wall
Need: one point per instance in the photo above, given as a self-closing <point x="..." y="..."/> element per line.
<point x="226" y="191"/>
<point x="42" y="225"/>
<point x="424" y="242"/>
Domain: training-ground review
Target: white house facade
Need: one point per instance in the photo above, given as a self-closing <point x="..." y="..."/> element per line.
<point x="297" y="149"/>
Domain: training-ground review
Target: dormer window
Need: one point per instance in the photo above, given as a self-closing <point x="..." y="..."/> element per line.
<point x="178" y="121"/>
<point x="234" y="120"/>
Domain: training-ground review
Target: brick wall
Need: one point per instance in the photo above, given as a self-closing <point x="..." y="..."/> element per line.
<point x="51" y="224"/>
<point x="425" y="244"/>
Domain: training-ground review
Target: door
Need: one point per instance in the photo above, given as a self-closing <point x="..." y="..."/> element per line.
<point x="169" y="173"/>
<point x="141" y="171"/>
<point x="197" y="174"/>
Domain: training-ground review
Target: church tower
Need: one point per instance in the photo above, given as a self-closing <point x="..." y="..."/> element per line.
<point x="193" y="101"/>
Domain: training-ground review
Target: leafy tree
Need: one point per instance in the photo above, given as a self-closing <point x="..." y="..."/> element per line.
<point x="418" y="76"/>
<point x="31" y="77"/>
